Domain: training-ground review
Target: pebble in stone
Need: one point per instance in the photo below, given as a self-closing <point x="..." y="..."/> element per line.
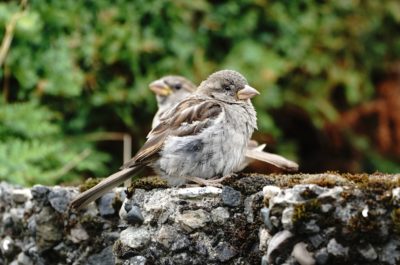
<point x="334" y="193"/>
<point x="59" y="199"/>
<point x="137" y="260"/>
<point x="390" y="253"/>
<point x="270" y="191"/>
<point x="265" y="217"/>
<point x="126" y="207"/>
<point x="230" y="196"/>
<point x="225" y="251"/>
<point x="166" y="235"/>
<point x="287" y="218"/>
<point x="134" y="215"/>
<point x="191" y="220"/>
<point x="8" y="247"/>
<point x="131" y="213"/>
<point x="396" y="195"/>
<point x="135" y="237"/>
<point x="277" y="242"/>
<point x="11" y="222"/>
<point x="264" y="237"/>
<point x="321" y="256"/>
<point x="78" y="234"/>
<point x="49" y="230"/>
<point x="201" y="249"/>
<point x="302" y="255"/>
<point x="336" y="249"/>
<point x="158" y="202"/>
<point x="181" y="242"/>
<point x="264" y="260"/>
<point x="275" y="221"/>
<point x="289" y="261"/>
<point x="128" y="204"/>
<point x="248" y="207"/>
<point x="181" y="258"/>
<point x="326" y="207"/>
<point x="316" y="240"/>
<point x="106" y="202"/>
<point x="220" y="215"/>
<point x="39" y="192"/>
<point x="197" y="192"/>
<point x="311" y="227"/>
<point x="285" y="197"/>
<point x="368" y="252"/>
<point x="23" y="259"/>
<point x="105" y="257"/>
<point x="21" y="195"/>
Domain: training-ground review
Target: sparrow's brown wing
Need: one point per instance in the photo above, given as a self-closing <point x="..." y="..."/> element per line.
<point x="189" y="117"/>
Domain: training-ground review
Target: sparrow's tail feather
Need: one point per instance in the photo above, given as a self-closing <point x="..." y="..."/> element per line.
<point x="103" y="187"/>
<point x="273" y="159"/>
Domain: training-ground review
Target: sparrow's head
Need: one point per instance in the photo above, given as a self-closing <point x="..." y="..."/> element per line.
<point x="227" y="85"/>
<point x="171" y="89"/>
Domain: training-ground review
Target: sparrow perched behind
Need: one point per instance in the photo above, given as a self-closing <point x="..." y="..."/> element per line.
<point x="172" y="89"/>
<point x="203" y="136"/>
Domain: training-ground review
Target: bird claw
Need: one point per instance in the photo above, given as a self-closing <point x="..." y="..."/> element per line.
<point x="209" y="182"/>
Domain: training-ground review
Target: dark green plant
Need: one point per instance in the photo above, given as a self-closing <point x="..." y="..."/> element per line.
<point x="83" y="67"/>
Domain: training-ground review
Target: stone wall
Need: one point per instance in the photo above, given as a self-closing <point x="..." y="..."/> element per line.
<point x="253" y="219"/>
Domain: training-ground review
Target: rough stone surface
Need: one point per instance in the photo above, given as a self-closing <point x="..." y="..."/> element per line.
<point x="230" y="197"/>
<point x="253" y="219"/>
<point x="321" y="256"/>
<point x="21" y="195"/>
<point x="220" y="215"/>
<point x="135" y="237"/>
<point x="105" y="257"/>
<point x="225" y="252"/>
<point x="59" y="199"/>
<point x="368" y="252"/>
<point x="36" y="227"/>
<point x="191" y="220"/>
<point x="302" y="255"/>
<point x="336" y="249"/>
<point x="106" y="204"/>
<point x="134" y="215"/>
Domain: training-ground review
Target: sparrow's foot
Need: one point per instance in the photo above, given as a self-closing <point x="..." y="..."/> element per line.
<point x="209" y="182"/>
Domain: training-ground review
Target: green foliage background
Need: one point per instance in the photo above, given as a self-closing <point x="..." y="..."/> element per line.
<point x="76" y="68"/>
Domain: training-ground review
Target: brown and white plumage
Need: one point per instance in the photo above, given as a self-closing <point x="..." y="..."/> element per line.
<point x="172" y="89"/>
<point x="203" y="136"/>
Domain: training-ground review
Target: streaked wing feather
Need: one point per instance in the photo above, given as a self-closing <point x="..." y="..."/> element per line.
<point x="187" y="118"/>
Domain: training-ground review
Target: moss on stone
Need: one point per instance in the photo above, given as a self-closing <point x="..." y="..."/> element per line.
<point x="305" y="211"/>
<point x="147" y="183"/>
<point x="89" y="183"/>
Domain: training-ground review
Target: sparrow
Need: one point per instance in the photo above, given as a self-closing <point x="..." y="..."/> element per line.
<point x="172" y="89"/>
<point x="203" y="136"/>
<point x="169" y="91"/>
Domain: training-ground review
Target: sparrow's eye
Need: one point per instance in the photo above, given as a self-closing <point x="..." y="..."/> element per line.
<point x="178" y="86"/>
<point x="226" y="87"/>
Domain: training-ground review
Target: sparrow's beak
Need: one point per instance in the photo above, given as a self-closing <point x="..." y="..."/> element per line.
<point x="247" y="92"/>
<point x="160" y="88"/>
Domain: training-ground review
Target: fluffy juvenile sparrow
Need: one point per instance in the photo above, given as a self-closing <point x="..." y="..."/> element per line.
<point x="203" y="136"/>
<point x="172" y="89"/>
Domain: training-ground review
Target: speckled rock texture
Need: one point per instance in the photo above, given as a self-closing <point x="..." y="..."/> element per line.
<point x="253" y="219"/>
